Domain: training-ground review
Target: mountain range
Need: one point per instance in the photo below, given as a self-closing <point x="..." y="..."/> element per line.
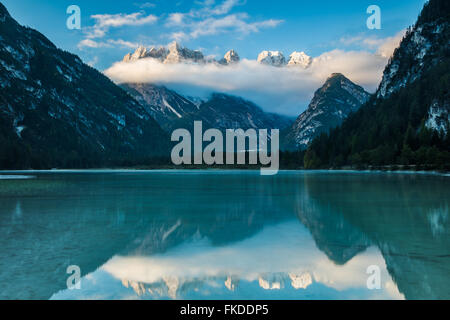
<point x="221" y="111"/>
<point x="330" y="106"/>
<point x="57" y="111"/>
<point x="175" y="53"/>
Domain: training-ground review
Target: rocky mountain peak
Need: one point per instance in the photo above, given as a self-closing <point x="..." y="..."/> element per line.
<point x="337" y="82"/>
<point x="174" y="46"/>
<point x="331" y="104"/>
<point x="336" y="75"/>
<point x="272" y="58"/>
<point x="277" y="59"/>
<point x="179" y="54"/>
<point x="230" y="58"/>
<point x="174" y="53"/>
<point x="140" y="53"/>
<point x="421" y="48"/>
<point x="299" y="59"/>
<point x="336" y="79"/>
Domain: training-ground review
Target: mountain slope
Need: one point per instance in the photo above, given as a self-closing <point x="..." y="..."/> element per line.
<point x="424" y="46"/>
<point x="407" y="122"/>
<point x="224" y="111"/>
<point x="55" y="111"/>
<point x="164" y="105"/>
<point x="172" y="110"/>
<point x="331" y="104"/>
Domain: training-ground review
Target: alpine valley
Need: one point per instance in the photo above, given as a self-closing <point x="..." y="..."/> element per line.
<point x="98" y="203"/>
<point x="57" y="112"/>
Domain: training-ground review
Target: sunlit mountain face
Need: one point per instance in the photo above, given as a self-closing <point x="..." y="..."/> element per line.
<point x="174" y="235"/>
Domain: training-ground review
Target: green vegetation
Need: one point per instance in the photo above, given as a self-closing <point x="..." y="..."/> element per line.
<point x="390" y="131"/>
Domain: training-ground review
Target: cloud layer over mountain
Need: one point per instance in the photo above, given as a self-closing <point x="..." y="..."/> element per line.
<point x="286" y="90"/>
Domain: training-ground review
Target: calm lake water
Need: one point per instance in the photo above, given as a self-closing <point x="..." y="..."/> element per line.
<point x="224" y="235"/>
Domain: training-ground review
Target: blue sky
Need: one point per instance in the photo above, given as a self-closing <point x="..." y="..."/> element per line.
<point x="333" y="33"/>
<point x="310" y="26"/>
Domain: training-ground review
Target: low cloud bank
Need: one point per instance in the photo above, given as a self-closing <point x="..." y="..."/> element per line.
<point x="286" y="90"/>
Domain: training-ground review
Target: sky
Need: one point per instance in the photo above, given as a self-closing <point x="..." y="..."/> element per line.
<point x="334" y="33"/>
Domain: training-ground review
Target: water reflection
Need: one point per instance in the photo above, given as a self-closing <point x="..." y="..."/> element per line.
<point x="405" y="216"/>
<point x="225" y="235"/>
<point x="281" y="259"/>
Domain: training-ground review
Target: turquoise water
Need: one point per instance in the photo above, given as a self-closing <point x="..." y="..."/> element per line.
<point x="224" y="235"/>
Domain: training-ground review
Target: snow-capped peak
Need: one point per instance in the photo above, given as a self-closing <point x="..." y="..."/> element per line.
<point x="140" y="53"/>
<point x="174" y="53"/>
<point x="277" y="59"/>
<point x="231" y="57"/>
<point x="273" y="58"/>
<point x="299" y="59"/>
<point x="174" y="46"/>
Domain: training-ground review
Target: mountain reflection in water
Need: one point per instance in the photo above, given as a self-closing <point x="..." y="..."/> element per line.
<point x="225" y="235"/>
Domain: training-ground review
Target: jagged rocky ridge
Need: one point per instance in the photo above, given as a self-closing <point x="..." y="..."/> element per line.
<point x="220" y="111"/>
<point x="175" y="53"/>
<point x="331" y="104"/>
<point x="277" y="59"/>
<point x="56" y="111"/>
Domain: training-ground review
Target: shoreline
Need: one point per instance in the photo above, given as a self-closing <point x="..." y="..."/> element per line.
<point x="5" y="173"/>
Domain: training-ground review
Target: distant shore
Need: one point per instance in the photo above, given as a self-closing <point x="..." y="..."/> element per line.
<point x="384" y="169"/>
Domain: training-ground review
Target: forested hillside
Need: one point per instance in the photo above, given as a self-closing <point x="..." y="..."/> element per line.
<point x="407" y="121"/>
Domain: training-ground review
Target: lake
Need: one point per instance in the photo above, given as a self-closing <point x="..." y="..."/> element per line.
<point x="224" y="235"/>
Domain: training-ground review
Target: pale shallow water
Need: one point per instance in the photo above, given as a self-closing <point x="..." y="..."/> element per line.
<point x="224" y="235"/>
<point x="15" y="177"/>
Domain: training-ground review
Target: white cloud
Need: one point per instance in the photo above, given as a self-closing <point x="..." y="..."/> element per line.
<point x="147" y="5"/>
<point x="178" y="36"/>
<point x="224" y="7"/>
<point x="210" y="19"/>
<point x="210" y="9"/>
<point x="111" y="43"/>
<point x="175" y="19"/>
<point x="385" y="46"/>
<point x="93" y="61"/>
<point x="121" y="19"/>
<point x="88" y="43"/>
<point x="213" y="19"/>
<point x="123" y="43"/>
<point x="235" y="22"/>
<point x="103" y="22"/>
